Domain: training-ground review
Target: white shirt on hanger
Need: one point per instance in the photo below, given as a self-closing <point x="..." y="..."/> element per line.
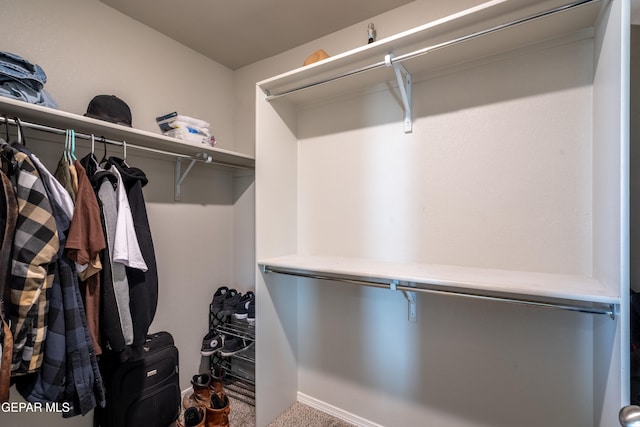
<point x="126" y="249"/>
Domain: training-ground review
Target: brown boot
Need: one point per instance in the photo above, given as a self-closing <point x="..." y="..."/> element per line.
<point x="192" y="417"/>
<point x="218" y="411"/>
<point x="201" y="395"/>
<point x="216" y="385"/>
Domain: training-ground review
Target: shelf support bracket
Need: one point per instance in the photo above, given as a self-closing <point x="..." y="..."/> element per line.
<point x="404" y="83"/>
<point x="180" y="176"/>
<point x="411" y="300"/>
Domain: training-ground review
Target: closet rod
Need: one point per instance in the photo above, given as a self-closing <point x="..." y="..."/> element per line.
<point x="398" y="59"/>
<point x="100" y="140"/>
<point x="609" y="311"/>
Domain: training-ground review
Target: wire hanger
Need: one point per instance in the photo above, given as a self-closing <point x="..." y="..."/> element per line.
<point x="65" y="150"/>
<point x="92" y="155"/>
<point x="66" y="145"/>
<point x="6" y="127"/>
<point x="69" y="146"/>
<point x="21" y="139"/>
<point x="104" y="156"/>
<point x="124" y="153"/>
<point x="72" y="147"/>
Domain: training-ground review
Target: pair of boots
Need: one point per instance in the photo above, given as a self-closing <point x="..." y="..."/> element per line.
<point x="215" y="416"/>
<point x="208" y="405"/>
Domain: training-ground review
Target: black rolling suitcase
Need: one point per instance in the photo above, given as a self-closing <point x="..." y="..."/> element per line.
<point x="144" y="391"/>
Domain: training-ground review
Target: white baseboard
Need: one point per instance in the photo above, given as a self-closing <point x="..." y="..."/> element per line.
<point x="335" y="411"/>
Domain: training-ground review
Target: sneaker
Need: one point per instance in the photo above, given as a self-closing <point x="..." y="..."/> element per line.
<point x="251" y="314"/>
<point x="217" y="303"/>
<point x="211" y="343"/>
<point x="242" y="308"/>
<point x="193" y="417"/>
<point x="231" y="299"/>
<point x="232" y="346"/>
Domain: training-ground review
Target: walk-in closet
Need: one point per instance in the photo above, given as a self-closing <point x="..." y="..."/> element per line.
<point x="438" y="226"/>
<point x="452" y="239"/>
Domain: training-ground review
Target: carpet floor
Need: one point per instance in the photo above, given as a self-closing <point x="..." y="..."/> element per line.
<point x="298" y="415"/>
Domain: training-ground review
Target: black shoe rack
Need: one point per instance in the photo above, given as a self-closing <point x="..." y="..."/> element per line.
<point x="239" y="381"/>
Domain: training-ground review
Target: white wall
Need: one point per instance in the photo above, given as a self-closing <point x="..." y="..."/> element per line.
<point x="87" y="48"/>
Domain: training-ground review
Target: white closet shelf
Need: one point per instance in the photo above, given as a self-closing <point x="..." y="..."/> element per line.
<point x="487" y="30"/>
<point x="61" y="119"/>
<point x="573" y="292"/>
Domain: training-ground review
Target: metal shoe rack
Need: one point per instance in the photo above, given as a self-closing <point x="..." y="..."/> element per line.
<point x="239" y="381"/>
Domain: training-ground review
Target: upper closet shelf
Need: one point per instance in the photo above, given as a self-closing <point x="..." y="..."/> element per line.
<point x="133" y="137"/>
<point x="570" y="292"/>
<point x="487" y="30"/>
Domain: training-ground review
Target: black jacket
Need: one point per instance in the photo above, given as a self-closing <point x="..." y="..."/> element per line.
<point x="143" y="286"/>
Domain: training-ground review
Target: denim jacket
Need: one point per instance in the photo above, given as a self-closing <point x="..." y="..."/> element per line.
<point x="14" y="67"/>
<point x="20" y="79"/>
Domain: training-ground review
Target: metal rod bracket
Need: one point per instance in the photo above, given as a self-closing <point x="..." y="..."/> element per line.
<point x="180" y="176"/>
<point x="410" y="297"/>
<point x="411" y="300"/>
<point x="404" y="84"/>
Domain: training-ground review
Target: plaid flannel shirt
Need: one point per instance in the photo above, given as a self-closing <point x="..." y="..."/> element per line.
<point x="69" y="373"/>
<point x="35" y="250"/>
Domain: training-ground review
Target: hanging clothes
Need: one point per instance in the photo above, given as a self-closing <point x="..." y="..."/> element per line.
<point x="35" y="250"/>
<point x="9" y="215"/>
<point x="116" y="323"/>
<point x="48" y="383"/>
<point x="126" y="246"/>
<point x="143" y="284"/>
<point x="84" y="244"/>
<point x="69" y="373"/>
<point x="64" y="176"/>
<point x="83" y="277"/>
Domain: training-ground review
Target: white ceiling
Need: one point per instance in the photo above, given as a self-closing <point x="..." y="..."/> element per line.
<point x="236" y="33"/>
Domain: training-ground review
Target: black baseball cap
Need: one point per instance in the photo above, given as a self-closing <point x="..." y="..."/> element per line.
<point x="109" y="108"/>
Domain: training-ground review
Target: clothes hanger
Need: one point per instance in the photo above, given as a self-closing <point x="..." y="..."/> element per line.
<point x="104" y="156"/>
<point x="124" y="153"/>
<point x="72" y="146"/>
<point x="7" y="162"/>
<point x="21" y="139"/>
<point x="92" y="155"/>
<point x="6" y="127"/>
<point x="65" y="150"/>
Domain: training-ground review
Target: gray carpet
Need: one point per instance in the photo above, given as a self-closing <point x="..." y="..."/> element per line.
<point x="298" y="415"/>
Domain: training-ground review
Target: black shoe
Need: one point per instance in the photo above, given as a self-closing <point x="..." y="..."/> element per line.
<point x="251" y="314"/>
<point x="231" y="299"/>
<point x="211" y="343"/>
<point x="232" y="346"/>
<point x="242" y="307"/>
<point x="217" y="303"/>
